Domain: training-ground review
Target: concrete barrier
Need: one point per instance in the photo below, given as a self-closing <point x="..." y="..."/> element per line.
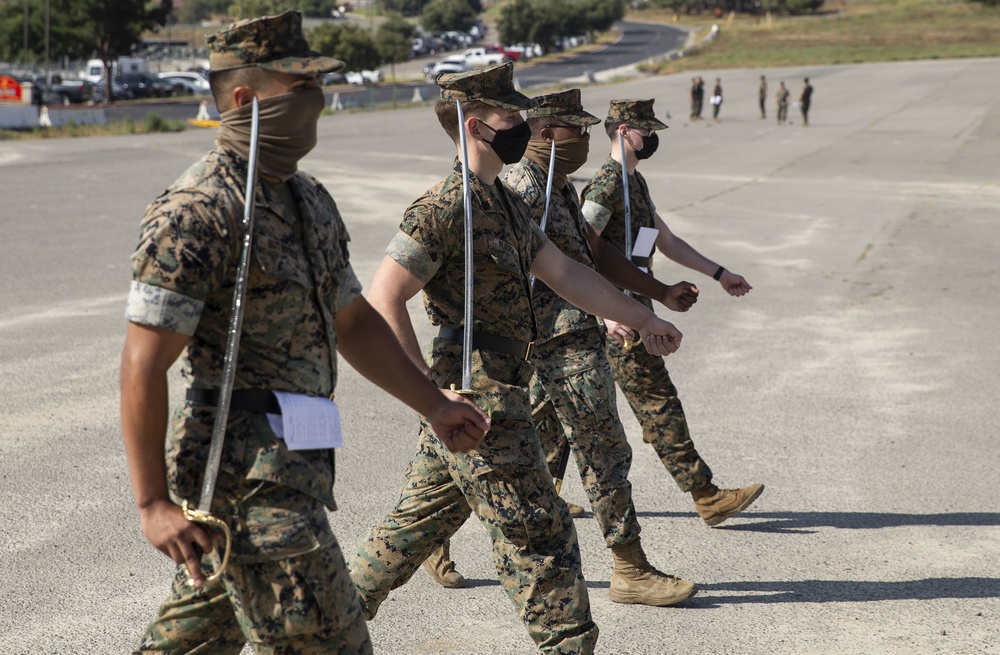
<point x="18" y="117"/>
<point x="89" y="116"/>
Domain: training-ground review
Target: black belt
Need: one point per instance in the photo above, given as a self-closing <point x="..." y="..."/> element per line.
<point x="486" y="341"/>
<point x="248" y="400"/>
<point x="641" y="261"/>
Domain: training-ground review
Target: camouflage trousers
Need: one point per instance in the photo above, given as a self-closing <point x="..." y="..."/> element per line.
<point x="644" y="380"/>
<point x="286" y="589"/>
<point x="573" y="398"/>
<point x="535" y="547"/>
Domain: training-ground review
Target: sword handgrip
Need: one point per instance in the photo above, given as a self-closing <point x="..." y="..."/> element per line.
<point x="198" y="516"/>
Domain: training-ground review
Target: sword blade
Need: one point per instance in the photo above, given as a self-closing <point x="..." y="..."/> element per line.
<point x="548" y="199"/>
<point x="469" y="288"/>
<point x="628" y="204"/>
<point x="235" y="324"/>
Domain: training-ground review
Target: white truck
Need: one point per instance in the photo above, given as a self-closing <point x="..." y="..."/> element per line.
<point x="479" y="57"/>
<point x="123" y="65"/>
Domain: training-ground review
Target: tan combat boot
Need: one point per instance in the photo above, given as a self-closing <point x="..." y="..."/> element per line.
<point x="575" y="510"/>
<point x="636" y="581"/>
<point x="715" y="505"/>
<point x="440" y="567"/>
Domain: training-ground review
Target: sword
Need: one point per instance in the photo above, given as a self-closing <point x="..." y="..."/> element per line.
<point x="629" y="344"/>
<point x="202" y="514"/>
<point x="466" y="389"/>
<point x="548" y="197"/>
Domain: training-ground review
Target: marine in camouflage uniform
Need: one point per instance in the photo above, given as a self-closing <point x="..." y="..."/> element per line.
<point x="505" y="482"/>
<point x="286" y="589"/>
<point x="568" y="353"/>
<point x="644" y="378"/>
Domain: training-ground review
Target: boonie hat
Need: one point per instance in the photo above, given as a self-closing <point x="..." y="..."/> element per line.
<point x="635" y="112"/>
<point x="564" y="106"/>
<point x="492" y="86"/>
<point x="271" y="42"/>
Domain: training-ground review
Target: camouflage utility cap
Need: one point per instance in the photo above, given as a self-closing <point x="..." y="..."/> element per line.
<point x="564" y="106"/>
<point x="271" y="42"/>
<point x="635" y="112"/>
<point x="492" y="86"/>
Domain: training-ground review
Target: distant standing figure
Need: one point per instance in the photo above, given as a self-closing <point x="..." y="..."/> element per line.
<point x="697" y="98"/>
<point x="694" y="99"/>
<point x="782" y="96"/>
<point x="716" y="99"/>
<point x="762" y="97"/>
<point x="804" y="100"/>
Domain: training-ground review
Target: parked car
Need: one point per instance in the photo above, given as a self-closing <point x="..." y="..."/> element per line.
<point x="464" y="38"/>
<point x="186" y="87"/>
<point x="450" y="64"/>
<point x="194" y="79"/>
<point x="59" y="91"/>
<point x="329" y="79"/>
<point x="512" y="55"/>
<point x="118" y="92"/>
<point x="426" y="46"/>
<point x="478" y="57"/>
<point x="363" y="77"/>
<point x="527" y="50"/>
<point x="147" y="85"/>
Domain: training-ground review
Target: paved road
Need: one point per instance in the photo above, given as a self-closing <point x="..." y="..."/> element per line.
<point x="639" y="41"/>
<point x="858" y="380"/>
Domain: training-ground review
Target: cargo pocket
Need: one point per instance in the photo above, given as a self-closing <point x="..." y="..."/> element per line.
<point x="287" y="578"/>
<point x="521" y="507"/>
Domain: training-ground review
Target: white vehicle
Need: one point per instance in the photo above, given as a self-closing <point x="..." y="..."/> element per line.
<point x="195" y="81"/>
<point x="479" y="57"/>
<point x="363" y="77"/>
<point x="452" y="64"/>
<point x="123" y="66"/>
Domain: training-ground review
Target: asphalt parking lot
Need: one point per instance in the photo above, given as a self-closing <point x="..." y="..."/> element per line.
<point x="857" y="380"/>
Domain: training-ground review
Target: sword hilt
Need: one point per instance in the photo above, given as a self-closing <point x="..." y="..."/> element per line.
<point x="630" y="344"/>
<point x="198" y="516"/>
<point x="475" y="395"/>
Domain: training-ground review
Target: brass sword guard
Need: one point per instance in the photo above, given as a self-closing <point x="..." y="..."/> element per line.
<point x="475" y="395"/>
<point x="629" y="344"/>
<point x="198" y="516"/>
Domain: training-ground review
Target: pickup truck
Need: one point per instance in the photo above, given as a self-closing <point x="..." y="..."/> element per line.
<point x="479" y="57"/>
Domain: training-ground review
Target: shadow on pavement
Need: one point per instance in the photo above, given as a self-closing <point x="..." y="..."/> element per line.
<point x="843" y="591"/>
<point x="802" y="522"/>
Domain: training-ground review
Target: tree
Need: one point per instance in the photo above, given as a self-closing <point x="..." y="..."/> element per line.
<point x="516" y="21"/>
<point x="317" y="8"/>
<point x="394" y="40"/>
<point x="405" y="7"/>
<point x="547" y="21"/>
<point x="444" y="15"/>
<point x="117" y="27"/>
<point x="347" y="42"/>
<point x="68" y="33"/>
<point x="600" y="15"/>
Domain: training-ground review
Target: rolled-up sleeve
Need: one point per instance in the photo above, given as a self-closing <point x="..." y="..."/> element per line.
<point x="597" y="215"/>
<point x="163" y="308"/>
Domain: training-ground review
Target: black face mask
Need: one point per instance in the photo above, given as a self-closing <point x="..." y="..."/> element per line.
<point x="649" y="145"/>
<point x="511" y="143"/>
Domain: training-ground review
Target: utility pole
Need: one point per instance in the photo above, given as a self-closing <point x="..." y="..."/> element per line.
<point x="48" y="70"/>
<point x="24" y="53"/>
